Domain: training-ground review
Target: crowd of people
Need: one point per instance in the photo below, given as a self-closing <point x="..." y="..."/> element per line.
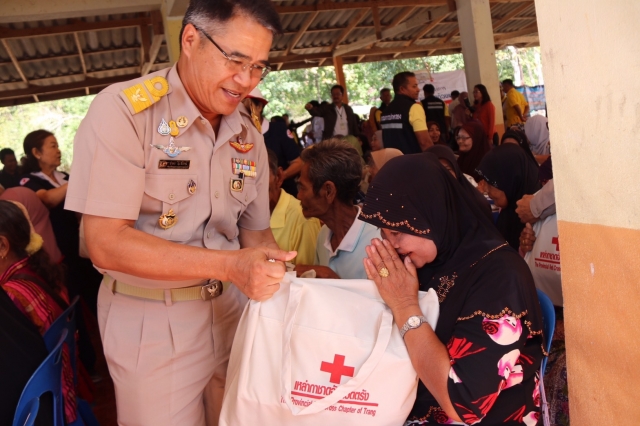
<point x="420" y="195"/>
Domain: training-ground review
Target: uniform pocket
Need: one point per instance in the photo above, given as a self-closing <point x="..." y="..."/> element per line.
<point x="173" y="192"/>
<point x="241" y="199"/>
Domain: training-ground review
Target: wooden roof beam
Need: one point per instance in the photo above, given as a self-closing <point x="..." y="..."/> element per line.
<point x="345" y="32"/>
<point x="79" y="47"/>
<point x="16" y="64"/>
<point x="375" y="13"/>
<point x="301" y="31"/>
<point x="418" y="20"/>
<point x="428" y="28"/>
<point x="156" y="44"/>
<point x="76" y="25"/>
<point x="511" y="15"/>
<point x="362" y="4"/>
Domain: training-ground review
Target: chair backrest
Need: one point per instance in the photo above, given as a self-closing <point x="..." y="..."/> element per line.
<point x="66" y="321"/>
<point x="47" y="378"/>
<point x="548" y="323"/>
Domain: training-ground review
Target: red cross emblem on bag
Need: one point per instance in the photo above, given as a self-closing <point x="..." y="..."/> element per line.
<point x="337" y="369"/>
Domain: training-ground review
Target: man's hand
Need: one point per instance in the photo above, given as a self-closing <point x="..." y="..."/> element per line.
<point x="524" y="210"/>
<point x="257" y="272"/>
<point x="321" y="271"/>
<point x="527" y="239"/>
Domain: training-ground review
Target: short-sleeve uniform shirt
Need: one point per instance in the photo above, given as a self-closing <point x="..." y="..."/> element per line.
<point x="515" y="98"/>
<point x="121" y="170"/>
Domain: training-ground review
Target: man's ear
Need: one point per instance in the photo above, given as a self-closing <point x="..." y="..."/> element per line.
<point x="330" y="191"/>
<point x="190" y="40"/>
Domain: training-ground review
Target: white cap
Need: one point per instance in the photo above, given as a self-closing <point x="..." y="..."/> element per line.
<point x="257" y="94"/>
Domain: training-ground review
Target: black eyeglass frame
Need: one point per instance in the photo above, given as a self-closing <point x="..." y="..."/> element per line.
<point x="266" y="69"/>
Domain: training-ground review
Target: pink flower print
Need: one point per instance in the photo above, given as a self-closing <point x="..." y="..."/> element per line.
<point x="504" y="331"/>
<point x="536" y="391"/>
<point x="509" y="369"/>
<point x="531" y="419"/>
<point x="453" y="376"/>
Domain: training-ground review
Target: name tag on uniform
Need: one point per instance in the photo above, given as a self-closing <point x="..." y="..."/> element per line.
<point x="174" y="164"/>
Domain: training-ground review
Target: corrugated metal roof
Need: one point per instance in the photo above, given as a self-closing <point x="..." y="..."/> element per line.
<point x="51" y="61"/>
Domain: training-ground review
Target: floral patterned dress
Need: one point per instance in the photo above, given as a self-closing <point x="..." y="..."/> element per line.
<point x="494" y="351"/>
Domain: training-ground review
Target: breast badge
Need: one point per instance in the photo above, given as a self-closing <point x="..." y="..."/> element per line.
<point x="182" y="121"/>
<point x="172" y="150"/>
<point x="164" y="128"/>
<point x="168" y="220"/>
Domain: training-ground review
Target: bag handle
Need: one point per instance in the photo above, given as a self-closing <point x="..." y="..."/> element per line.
<point x="382" y="341"/>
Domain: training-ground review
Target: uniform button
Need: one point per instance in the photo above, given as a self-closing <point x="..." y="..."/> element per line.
<point x="172" y="196"/>
<point x="216" y="194"/>
<point x="208" y="234"/>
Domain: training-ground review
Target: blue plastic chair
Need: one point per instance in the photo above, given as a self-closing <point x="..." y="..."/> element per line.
<point x="548" y="327"/>
<point x="67" y="321"/>
<point x="47" y="378"/>
<point x="548" y="323"/>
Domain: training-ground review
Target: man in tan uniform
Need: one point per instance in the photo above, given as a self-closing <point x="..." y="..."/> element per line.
<point x="172" y="178"/>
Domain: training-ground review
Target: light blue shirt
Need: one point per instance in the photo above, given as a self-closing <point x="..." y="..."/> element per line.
<point x="346" y="260"/>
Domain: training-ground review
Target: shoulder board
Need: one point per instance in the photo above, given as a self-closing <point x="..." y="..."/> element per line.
<point x="141" y="96"/>
<point x="252" y="118"/>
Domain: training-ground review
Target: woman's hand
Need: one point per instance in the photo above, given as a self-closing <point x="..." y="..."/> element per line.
<point x="399" y="289"/>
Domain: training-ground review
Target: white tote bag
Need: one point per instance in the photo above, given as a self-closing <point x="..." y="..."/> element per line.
<point x="321" y="353"/>
<point x="544" y="259"/>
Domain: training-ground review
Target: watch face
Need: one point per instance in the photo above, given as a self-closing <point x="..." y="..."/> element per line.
<point x="414" y="321"/>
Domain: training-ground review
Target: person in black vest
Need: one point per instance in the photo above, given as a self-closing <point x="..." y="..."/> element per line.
<point x="435" y="108"/>
<point x="339" y="119"/>
<point x="404" y="125"/>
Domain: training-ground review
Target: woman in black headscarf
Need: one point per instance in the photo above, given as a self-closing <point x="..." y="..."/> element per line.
<point x="510" y="174"/>
<point x="520" y="138"/>
<point x="480" y="362"/>
<point x="448" y="159"/>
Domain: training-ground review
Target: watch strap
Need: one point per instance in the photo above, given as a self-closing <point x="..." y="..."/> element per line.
<point x="407" y="325"/>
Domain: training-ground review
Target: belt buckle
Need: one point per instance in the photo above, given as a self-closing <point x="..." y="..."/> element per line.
<point x="211" y="290"/>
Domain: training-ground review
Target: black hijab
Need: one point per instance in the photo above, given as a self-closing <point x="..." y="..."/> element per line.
<point x="444" y="213"/>
<point x="443" y="152"/>
<point x="509" y="168"/>
<point x="522" y="140"/>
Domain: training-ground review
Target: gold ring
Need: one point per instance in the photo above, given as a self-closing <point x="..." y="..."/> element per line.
<point x="383" y="272"/>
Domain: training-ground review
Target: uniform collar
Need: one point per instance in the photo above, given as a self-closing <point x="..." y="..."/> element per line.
<point x="278" y="218"/>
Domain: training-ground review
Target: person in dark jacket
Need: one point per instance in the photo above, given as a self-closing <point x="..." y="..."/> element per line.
<point x="339" y="119"/>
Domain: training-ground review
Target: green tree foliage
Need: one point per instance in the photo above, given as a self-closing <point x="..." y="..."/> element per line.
<point x="62" y="118"/>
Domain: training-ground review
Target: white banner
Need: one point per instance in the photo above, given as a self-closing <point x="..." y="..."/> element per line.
<point x="444" y="82"/>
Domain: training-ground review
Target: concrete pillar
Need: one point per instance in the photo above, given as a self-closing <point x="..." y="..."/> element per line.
<point x="479" y="52"/>
<point x="590" y="59"/>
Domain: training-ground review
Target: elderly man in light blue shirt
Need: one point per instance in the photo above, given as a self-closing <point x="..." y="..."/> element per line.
<point x="328" y="183"/>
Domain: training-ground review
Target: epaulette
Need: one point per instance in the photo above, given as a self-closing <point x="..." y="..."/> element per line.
<point x="253" y="117"/>
<point x="142" y="95"/>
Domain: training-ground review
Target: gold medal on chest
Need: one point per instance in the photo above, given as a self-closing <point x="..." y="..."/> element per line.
<point x="168" y="220"/>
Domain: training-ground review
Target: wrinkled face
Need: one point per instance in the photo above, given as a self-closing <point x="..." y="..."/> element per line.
<point x="434" y="133"/>
<point x="464" y="141"/>
<point x="421" y="251"/>
<point x="336" y="96"/>
<point x="313" y="205"/>
<point x="498" y="196"/>
<point x="386" y="97"/>
<point x="49" y="155"/>
<point x="411" y="89"/>
<point x="214" y="84"/>
<point x="10" y="163"/>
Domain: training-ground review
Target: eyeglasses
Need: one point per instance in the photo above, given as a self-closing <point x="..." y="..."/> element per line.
<point x="462" y="138"/>
<point x="239" y="65"/>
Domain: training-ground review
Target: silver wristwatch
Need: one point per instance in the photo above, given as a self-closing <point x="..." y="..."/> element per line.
<point x="414" y="321"/>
